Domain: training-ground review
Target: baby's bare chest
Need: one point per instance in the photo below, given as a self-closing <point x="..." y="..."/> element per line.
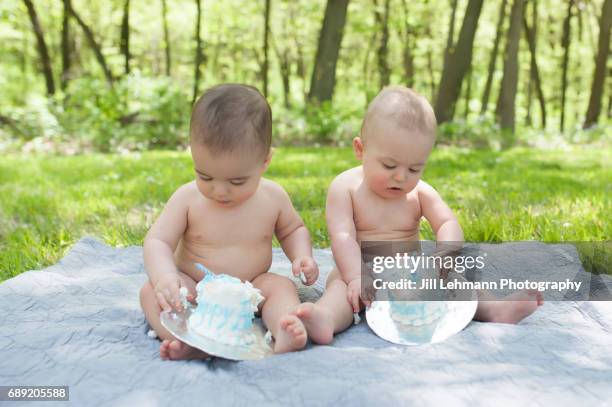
<point x="372" y="214"/>
<point x="230" y="226"/>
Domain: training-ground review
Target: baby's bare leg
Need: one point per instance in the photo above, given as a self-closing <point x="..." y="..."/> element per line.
<point x="510" y="309"/>
<point x="170" y="348"/>
<point x="331" y="314"/>
<point x="277" y="311"/>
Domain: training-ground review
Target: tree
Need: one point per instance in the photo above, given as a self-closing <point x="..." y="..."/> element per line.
<point x="66" y="46"/>
<point x="599" y="76"/>
<point x="382" y="20"/>
<point x="42" y="47"/>
<point x="493" y="59"/>
<point x="166" y="38"/>
<point x="407" y="45"/>
<point x="459" y="62"/>
<point x="565" y="43"/>
<point x="507" y="96"/>
<point x="323" y="78"/>
<point x="265" y="47"/>
<point x="534" y="72"/>
<point x="198" y="52"/>
<point x="92" y="43"/>
<point x="124" y="42"/>
<point x="450" y="37"/>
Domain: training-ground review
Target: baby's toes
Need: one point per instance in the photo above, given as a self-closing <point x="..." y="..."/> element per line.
<point x="163" y="349"/>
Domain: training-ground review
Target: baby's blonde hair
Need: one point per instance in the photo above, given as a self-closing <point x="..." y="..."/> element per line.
<point x="405" y="107"/>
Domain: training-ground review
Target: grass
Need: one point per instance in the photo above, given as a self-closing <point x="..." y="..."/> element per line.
<point x="48" y="202"/>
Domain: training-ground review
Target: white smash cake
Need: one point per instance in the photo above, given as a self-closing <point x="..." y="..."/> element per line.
<point x="225" y="310"/>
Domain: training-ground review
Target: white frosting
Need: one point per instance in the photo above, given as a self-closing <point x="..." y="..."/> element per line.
<point x="225" y="310"/>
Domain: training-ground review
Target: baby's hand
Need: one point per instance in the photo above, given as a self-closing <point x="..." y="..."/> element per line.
<point x="354" y="297"/>
<point x="352" y="293"/>
<point x="308" y="266"/>
<point x="167" y="292"/>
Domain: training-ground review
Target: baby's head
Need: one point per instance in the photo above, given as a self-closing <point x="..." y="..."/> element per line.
<point x="397" y="135"/>
<point x="230" y="137"/>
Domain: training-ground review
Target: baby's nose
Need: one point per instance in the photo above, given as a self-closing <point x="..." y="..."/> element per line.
<point x="398" y="176"/>
<point x="220" y="189"/>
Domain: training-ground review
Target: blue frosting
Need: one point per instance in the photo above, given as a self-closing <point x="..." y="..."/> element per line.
<point x="242" y="315"/>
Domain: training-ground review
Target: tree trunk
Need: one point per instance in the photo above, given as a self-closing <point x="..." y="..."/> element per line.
<point x="430" y="68"/>
<point x="599" y="76"/>
<point x="530" y="82"/>
<point x="42" y="47"/>
<point x="300" y="68"/>
<point x="407" y="56"/>
<point x="507" y="96"/>
<point x="530" y="33"/>
<point x="468" y="94"/>
<point x="198" y="52"/>
<point x="265" y="47"/>
<point x="450" y="38"/>
<point x="284" y="63"/>
<point x="66" y="47"/>
<point x="330" y="38"/>
<point x="459" y="62"/>
<point x="166" y="38"/>
<point x="125" y="36"/>
<point x="565" y="43"/>
<point x="93" y="44"/>
<point x="492" y="61"/>
<point x="382" y="53"/>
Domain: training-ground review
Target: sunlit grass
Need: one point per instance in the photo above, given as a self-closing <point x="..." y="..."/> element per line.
<point x="47" y="203"/>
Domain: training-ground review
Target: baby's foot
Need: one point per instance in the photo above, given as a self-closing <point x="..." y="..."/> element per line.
<point x="319" y="323"/>
<point x="177" y="350"/>
<point x="290" y="336"/>
<point x="514" y="307"/>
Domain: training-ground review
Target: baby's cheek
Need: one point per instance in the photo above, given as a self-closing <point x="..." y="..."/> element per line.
<point x="245" y="192"/>
<point x="380" y="181"/>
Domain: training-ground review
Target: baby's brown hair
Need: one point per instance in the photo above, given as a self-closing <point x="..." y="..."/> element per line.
<point x="231" y="116"/>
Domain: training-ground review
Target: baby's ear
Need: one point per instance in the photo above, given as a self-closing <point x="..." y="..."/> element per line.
<point x="358" y="148"/>
<point x="268" y="158"/>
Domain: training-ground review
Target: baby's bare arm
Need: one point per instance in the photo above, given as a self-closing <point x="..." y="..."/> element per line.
<point x="342" y="232"/>
<point x="294" y="237"/>
<point x="160" y="244"/>
<point x="441" y="218"/>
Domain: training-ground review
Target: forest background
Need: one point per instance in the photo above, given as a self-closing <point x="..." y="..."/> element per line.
<point x="96" y="96"/>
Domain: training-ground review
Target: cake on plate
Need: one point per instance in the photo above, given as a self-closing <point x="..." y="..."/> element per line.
<point x="409" y="307"/>
<point x="225" y="310"/>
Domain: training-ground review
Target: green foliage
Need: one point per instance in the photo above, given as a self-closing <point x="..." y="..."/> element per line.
<point x="135" y="114"/>
<point x="324" y="124"/>
<point x="48" y="202"/>
<point x="482" y="133"/>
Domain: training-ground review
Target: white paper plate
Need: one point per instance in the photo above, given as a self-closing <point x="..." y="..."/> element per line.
<point x="458" y="315"/>
<point x="176" y="324"/>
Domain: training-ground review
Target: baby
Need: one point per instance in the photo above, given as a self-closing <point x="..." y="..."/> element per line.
<point x="226" y="219"/>
<point x="384" y="199"/>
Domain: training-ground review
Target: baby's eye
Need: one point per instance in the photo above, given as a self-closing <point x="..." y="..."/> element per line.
<point x="389" y="167"/>
<point x="414" y="171"/>
<point x="205" y="179"/>
<point x="240" y="182"/>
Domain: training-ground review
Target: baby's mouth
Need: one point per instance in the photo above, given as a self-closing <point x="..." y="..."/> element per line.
<point x="395" y="189"/>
